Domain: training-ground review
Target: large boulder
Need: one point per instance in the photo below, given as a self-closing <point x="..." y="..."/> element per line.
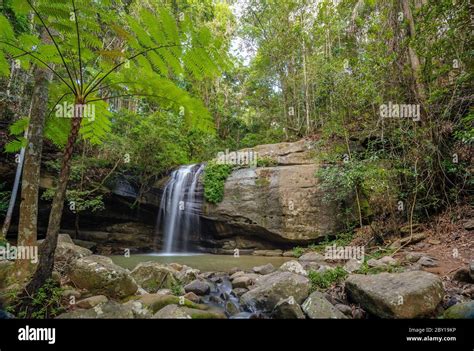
<point x="265" y="269"/>
<point x="317" y="306"/>
<point x="107" y="310"/>
<point x="177" y="312"/>
<point x="66" y="252"/>
<point x="270" y="289"/>
<point x="153" y="276"/>
<point x="398" y="295"/>
<point x="293" y="267"/>
<point x="262" y="202"/>
<point x="460" y="311"/>
<point x="287" y="309"/>
<point x="156" y="302"/>
<point x="100" y="276"/>
<point x="198" y="287"/>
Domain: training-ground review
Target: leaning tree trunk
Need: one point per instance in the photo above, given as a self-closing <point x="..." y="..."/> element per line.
<point x="28" y="223"/>
<point x="46" y="262"/>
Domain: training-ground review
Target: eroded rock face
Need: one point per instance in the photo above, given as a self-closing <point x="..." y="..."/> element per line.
<point x="100" y="276"/>
<point x="398" y="295"/>
<point x="280" y="204"/>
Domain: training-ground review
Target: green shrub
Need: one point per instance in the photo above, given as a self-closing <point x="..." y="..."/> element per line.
<point x="266" y="162"/>
<point x="323" y="280"/>
<point x="214" y="179"/>
<point x="45" y="304"/>
<point x="298" y="251"/>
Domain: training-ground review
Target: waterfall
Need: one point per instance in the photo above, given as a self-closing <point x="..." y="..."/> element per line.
<point x="178" y="216"/>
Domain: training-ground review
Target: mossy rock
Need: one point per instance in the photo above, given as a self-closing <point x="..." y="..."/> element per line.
<point x="156" y="302"/>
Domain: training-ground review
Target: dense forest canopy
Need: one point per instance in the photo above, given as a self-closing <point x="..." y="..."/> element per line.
<point x="91" y="90"/>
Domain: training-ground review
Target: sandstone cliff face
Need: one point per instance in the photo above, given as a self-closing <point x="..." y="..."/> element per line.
<point x="278" y="205"/>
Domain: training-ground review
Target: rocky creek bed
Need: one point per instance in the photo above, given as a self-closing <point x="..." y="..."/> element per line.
<point x="96" y="287"/>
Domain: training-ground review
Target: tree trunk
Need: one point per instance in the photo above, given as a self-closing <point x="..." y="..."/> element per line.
<point x="28" y="222"/>
<point x="47" y="249"/>
<point x="414" y="59"/>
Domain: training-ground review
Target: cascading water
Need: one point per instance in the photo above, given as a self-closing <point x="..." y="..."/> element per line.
<point x="178" y="216"/>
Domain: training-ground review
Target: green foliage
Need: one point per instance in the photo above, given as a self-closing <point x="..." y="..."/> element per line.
<point x="214" y="179"/>
<point x="266" y="162"/>
<point x="177" y="288"/>
<point x="45" y="304"/>
<point x="324" y="280"/>
<point x="298" y="251"/>
<point x="17" y="130"/>
<point x="340" y="240"/>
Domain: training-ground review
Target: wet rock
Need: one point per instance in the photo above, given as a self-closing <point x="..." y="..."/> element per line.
<point x="270" y="289"/>
<point x="100" y="276"/>
<point x="460" y="311"/>
<point x="244" y="281"/>
<point x="400" y="295"/>
<point x="317" y="306"/>
<point x="265" y="269"/>
<point x="239" y="291"/>
<point x="293" y="267"/>
<point x="153" y="276"/>
<point x="198" y="287"/>
<point x="192" y="297"/>
<point x="287" y="309"/>
<point x="231" y="308"/>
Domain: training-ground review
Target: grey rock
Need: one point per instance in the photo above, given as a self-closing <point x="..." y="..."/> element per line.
<point x="198" y="287"/>
<point x="270" y="289"/>
<point x="317" y="306"/>
<point x="399" y="295"/>
<point x="265" y="269"/>
<point x="287" y="309"/>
